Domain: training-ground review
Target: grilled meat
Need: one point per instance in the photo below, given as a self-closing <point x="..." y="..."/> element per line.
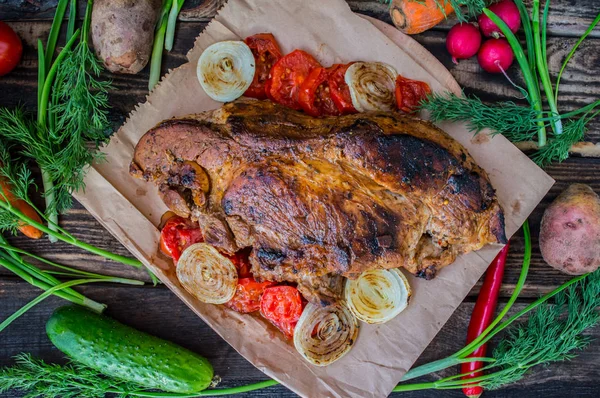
<point x="319" y="198"/>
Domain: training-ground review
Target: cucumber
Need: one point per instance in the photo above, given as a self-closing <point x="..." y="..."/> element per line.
<point x="122" y="352"/>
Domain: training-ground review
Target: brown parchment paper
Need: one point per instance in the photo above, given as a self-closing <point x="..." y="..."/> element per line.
<point x="130" y="209"/>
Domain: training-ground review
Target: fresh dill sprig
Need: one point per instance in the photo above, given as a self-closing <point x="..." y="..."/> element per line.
<point x="553" y="333"/>
<point x="72" y="123"/>
<point x="515" y="122"/>
<point x="78" y="122"/>
<point x="40" y="379"/>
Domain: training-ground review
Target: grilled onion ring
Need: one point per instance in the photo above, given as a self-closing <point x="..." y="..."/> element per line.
<point x="335" y="331"/>
<point x="378" y="295"/>
<point x="372" y="86"/>
<point x="207" y="274"/>
<point x="226" y="69"/>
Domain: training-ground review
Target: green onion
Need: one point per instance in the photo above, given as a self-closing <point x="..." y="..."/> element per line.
<point x="72" y="19"/>
<point x="172" y="21"/>
<point x="542" y="62"/>
<point x="532" y="87"/>
<point x="570" y="55"/>
<point x="55" y="31"/>
<point x="57" y="288"/>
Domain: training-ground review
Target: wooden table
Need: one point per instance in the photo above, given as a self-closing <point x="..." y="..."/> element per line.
<point x="158" y="311"/>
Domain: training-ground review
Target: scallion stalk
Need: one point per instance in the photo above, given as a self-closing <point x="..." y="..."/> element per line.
<point x="171" y="23"/>
<point x="570" y="55"/>
<point x="542" y="62"/>
<point x="532" y="87"/>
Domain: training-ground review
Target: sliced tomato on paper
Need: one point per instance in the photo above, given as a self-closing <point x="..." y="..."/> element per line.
<point x="287" y="76"/>
<point x="315" y="97"/>
<point x="282" y="306"/>
<point x="340" y="92"/>
<point x="410" y="93"/>
<point x="247" y="295"/>
<point x="177" y="235"/>
<point x="266" y="53"/>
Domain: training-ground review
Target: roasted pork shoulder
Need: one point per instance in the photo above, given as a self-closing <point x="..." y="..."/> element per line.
<point x="322" y="199"/>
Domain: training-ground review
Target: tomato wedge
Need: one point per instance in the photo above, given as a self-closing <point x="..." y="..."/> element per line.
<point x="282" y="305"/>
<point x="266" y="53"/>
<point x="287" y="76"/>
<point x="247" y="295"/>
<point x="315" y="97"/>
<point x="340" y="92"/>
<point x="177" y="234"/>
<point x="409" y="93"/>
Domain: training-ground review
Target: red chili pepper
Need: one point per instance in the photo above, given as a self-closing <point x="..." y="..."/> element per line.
<point x="484" y="310"/>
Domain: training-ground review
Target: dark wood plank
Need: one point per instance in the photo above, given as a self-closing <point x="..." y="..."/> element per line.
<point x="157" y="311"/>
<point x="567" y="17"/>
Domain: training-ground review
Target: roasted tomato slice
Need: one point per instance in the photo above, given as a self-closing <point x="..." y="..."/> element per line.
<point x="315" y="97"/>
<point x="266" y="53"/>
<point x="241" y="260"/>
<point x="282" y="305"/>
<point x="247" y="295"/>
<point x="177" y="234"/>
<point x="287" y="77"/>
<point x="409" y="93"/>
<point x="340" y="92"/>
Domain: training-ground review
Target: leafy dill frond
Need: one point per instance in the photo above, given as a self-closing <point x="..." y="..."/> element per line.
<point x="78" y="123"/>
<point x="77" y="127"/>
<point x="557" y="148"/>
<point x="515" y="122"/>
<point x="39" y="379"/>
<point x="553" y="333"/>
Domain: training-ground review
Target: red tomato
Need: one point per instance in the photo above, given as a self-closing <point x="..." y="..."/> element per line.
<point x="315" y="97"/>
<point x="266" y="53"/>
<point x="11" y="49"/>
<point x="247" y="296"/>
<point x="409" y="93"/>
<point x="178" y="234"/>
<point x="340" y="92"/>
<point x="282" y="305"/>
<point x="241" y="260"/>
<point x="287" y="77"/>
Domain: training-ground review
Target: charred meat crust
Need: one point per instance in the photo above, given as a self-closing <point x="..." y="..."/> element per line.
<point x="329" y="196"/>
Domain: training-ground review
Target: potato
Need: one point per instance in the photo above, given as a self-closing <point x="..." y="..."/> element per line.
<point x="123" y="32"/>
<point x="570" y="231"/>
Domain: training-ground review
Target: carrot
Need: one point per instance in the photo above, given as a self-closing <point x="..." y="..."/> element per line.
<point x="23" y="207"/>
<point x="483" y="312"/>
<point x="413" y="17"/>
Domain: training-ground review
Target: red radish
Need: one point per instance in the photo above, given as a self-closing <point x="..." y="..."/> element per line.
<point x="506" y="11"/>
<point x="495" y="55"/>
<point x="463" y="41"/>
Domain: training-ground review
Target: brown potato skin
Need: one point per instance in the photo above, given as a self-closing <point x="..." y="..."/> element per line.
<point x="123" y="32"/>
<point x="570" y="231"/>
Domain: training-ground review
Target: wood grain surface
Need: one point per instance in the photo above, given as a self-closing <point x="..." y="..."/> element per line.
<point x="156" y="310"/>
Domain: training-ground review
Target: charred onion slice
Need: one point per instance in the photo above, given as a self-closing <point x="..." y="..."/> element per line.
<point x="372" y="86"/>
<point x="377" y="296"/>
<point x="325" y="334"/>
<point x="226" y="69"/>
<point x="207" y="274"/>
